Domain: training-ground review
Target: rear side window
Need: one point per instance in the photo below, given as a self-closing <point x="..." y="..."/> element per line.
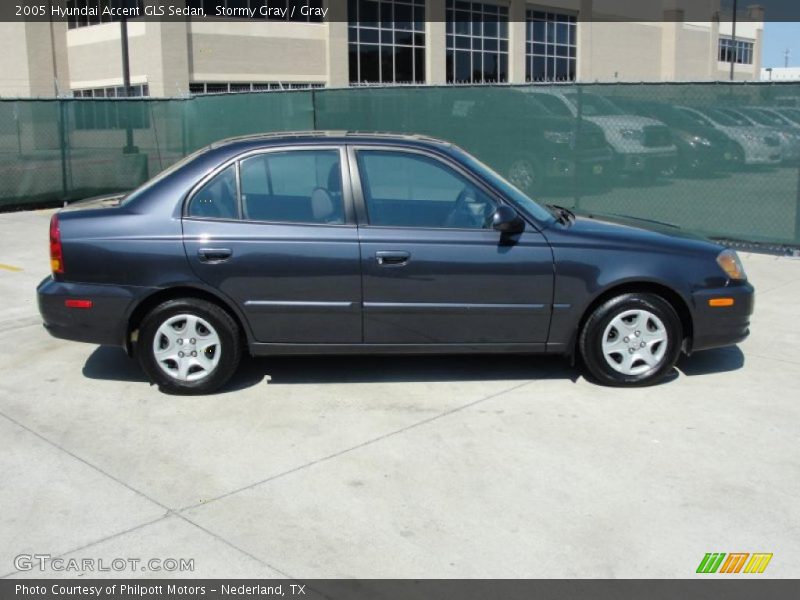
<point x="217" y="199"/>
<point x="297" y="186"/>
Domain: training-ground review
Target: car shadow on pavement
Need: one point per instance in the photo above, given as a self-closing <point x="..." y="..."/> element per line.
<point x="111" y="363"/>
<point x="718" y="360"/>
<point x="398" y="369"/>
<point x="108" y="362"/>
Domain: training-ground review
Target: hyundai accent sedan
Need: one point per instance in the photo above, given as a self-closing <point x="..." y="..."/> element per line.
<point x="342" y="243"/>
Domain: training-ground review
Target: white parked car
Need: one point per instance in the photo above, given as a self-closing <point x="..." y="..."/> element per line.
<point x="758" y="146"/>
<point x="641" y="144"/>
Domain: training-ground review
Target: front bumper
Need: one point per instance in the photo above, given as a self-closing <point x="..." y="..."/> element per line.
<point x="589" y="165"/>
<point x="655" y="163"/>
<point x="105" y="323"/>
<point x="722" y="326"/>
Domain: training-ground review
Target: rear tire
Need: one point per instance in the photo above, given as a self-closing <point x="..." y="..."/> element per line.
<point x="189" y="346"/>
<point x="631" y="340"/>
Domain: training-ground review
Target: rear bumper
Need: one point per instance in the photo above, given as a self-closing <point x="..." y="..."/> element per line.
<point x="722" y="326"/>
<point x="104" y="323"/>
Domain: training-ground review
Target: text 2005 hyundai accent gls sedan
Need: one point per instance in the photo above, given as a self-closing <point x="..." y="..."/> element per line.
<point x="329" y="243"/>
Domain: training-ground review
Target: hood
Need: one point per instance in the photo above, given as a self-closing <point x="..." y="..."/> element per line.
<point x="640" y="231"/>
<point x="623" y="121"/>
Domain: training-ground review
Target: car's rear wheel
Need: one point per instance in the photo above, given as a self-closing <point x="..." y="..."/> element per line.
<point x="189" y="346"/>
<point x="631" y="339"/>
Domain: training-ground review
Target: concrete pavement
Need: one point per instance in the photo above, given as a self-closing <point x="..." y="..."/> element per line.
<point x="400" y="466"/>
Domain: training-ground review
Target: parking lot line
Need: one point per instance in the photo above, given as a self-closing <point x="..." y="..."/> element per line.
<point x="10" y="268"/>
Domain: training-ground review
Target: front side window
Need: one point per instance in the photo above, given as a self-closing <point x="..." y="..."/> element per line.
<point x="386" y="41"/>
<point x="297" y="186"/>
<point x="477" y="42"/>
<point x="412" y="190"/>
<point x="551" y="46"/>
<point x="217" y="199"/>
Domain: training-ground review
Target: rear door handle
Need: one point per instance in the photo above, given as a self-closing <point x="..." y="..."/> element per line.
<point x="392" y="258"/>
<point x="214" y="255"/>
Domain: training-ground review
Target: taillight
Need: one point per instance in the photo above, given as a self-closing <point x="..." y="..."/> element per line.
<point x="56" y="252"/>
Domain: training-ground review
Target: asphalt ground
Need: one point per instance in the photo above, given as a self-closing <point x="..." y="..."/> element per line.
<point x="376" y="467"/>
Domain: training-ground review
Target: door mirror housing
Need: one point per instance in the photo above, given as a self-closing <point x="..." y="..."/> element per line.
<point x="506" y="220"/>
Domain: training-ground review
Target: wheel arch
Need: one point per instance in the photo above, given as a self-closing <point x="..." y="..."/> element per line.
<point x="669" y="294"/>
<point x="149" y="302"/>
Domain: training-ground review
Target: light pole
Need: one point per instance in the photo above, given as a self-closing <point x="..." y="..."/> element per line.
<point x="732" y="52"/>
<point x="126" y="85"/>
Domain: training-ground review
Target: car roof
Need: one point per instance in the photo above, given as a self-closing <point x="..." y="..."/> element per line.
<point x="331" y="137"/>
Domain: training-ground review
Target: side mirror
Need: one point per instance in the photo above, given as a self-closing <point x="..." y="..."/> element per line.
<point x="506" y="220"/>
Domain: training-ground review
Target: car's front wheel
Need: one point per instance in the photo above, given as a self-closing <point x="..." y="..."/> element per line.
<point x="189" y="346"/>
<point x="631" y="339"/>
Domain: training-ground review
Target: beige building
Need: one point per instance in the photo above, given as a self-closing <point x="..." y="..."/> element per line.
<point x="423" y="41"/>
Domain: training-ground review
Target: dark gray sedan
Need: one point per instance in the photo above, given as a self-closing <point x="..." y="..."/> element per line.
<point x="330" y="243"/>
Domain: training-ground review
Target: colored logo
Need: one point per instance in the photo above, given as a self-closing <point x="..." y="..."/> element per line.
<point x="736" y="562"/>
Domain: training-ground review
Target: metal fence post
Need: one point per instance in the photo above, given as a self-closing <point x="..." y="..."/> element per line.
<point x="578" y="129"/>
<point x="797" y="210"/>
<point x="62" y="142"/>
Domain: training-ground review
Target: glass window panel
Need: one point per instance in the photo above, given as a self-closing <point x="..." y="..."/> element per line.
<point x="217" y="199"/>
<point x="298" y="186"/>
<point x="409" y="190"/>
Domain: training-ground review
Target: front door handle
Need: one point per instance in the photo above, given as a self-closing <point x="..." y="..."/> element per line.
<point x="214" y="255"/>
<point x="392" y="258"/>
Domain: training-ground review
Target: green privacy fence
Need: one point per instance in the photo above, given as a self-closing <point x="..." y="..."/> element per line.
<point x="719" y="159"/>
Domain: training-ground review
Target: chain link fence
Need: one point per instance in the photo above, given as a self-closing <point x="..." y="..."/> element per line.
<point x="722" y="160"/>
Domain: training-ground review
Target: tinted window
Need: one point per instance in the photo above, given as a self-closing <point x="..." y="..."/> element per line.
<point x="411" y="190"/>
<point x="217" y="198"/>
<point x="299" y="186"/>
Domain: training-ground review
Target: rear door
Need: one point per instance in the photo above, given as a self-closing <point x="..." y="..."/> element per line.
<point x="434" y="270"/>
<point x="274" y="231"/>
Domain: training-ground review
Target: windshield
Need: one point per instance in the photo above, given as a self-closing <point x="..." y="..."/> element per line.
<point x="594" y="106"/>
<point x="553" y="104"/>
<point x="521" y="199"/>
<point x="161" y="176"/>
<point x="792" y="114"/>
<point x="695" y="117"/>
<point x="764" y="117"/>
<point x="723" y="118"/>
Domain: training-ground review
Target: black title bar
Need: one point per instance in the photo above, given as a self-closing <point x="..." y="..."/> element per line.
<point x="321" y="11"/>
<point x="744" y="588"/>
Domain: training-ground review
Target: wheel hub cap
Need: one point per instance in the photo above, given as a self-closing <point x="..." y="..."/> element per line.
<point x="186" y="347"/>
<point x="635" y="342"/>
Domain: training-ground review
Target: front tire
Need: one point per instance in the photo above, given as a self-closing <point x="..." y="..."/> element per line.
<point x="631" y="340"/>
<point x="189" y="346"/>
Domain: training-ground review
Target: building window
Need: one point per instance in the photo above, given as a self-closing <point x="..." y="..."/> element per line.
<point x="199" y="88"/>
<point x="135" y="91"/>
<point x="386" y="41"/>
<point x="740" y="51"/>
<point x="83" y="13"/>
<point x="111" y="115"/>
<point x="477" y="42"/>
<point x="269" y="10"/>
<point x="551" y="46"/>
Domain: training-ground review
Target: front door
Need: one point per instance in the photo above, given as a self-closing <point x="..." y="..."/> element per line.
<point x="272" y="232"/>
<point x="434" y="270"/>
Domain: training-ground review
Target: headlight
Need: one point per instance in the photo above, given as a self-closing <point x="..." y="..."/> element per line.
<point x="631" y="134"/>
<point x="729" y="261"/>
<point x="559" y="137"/>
